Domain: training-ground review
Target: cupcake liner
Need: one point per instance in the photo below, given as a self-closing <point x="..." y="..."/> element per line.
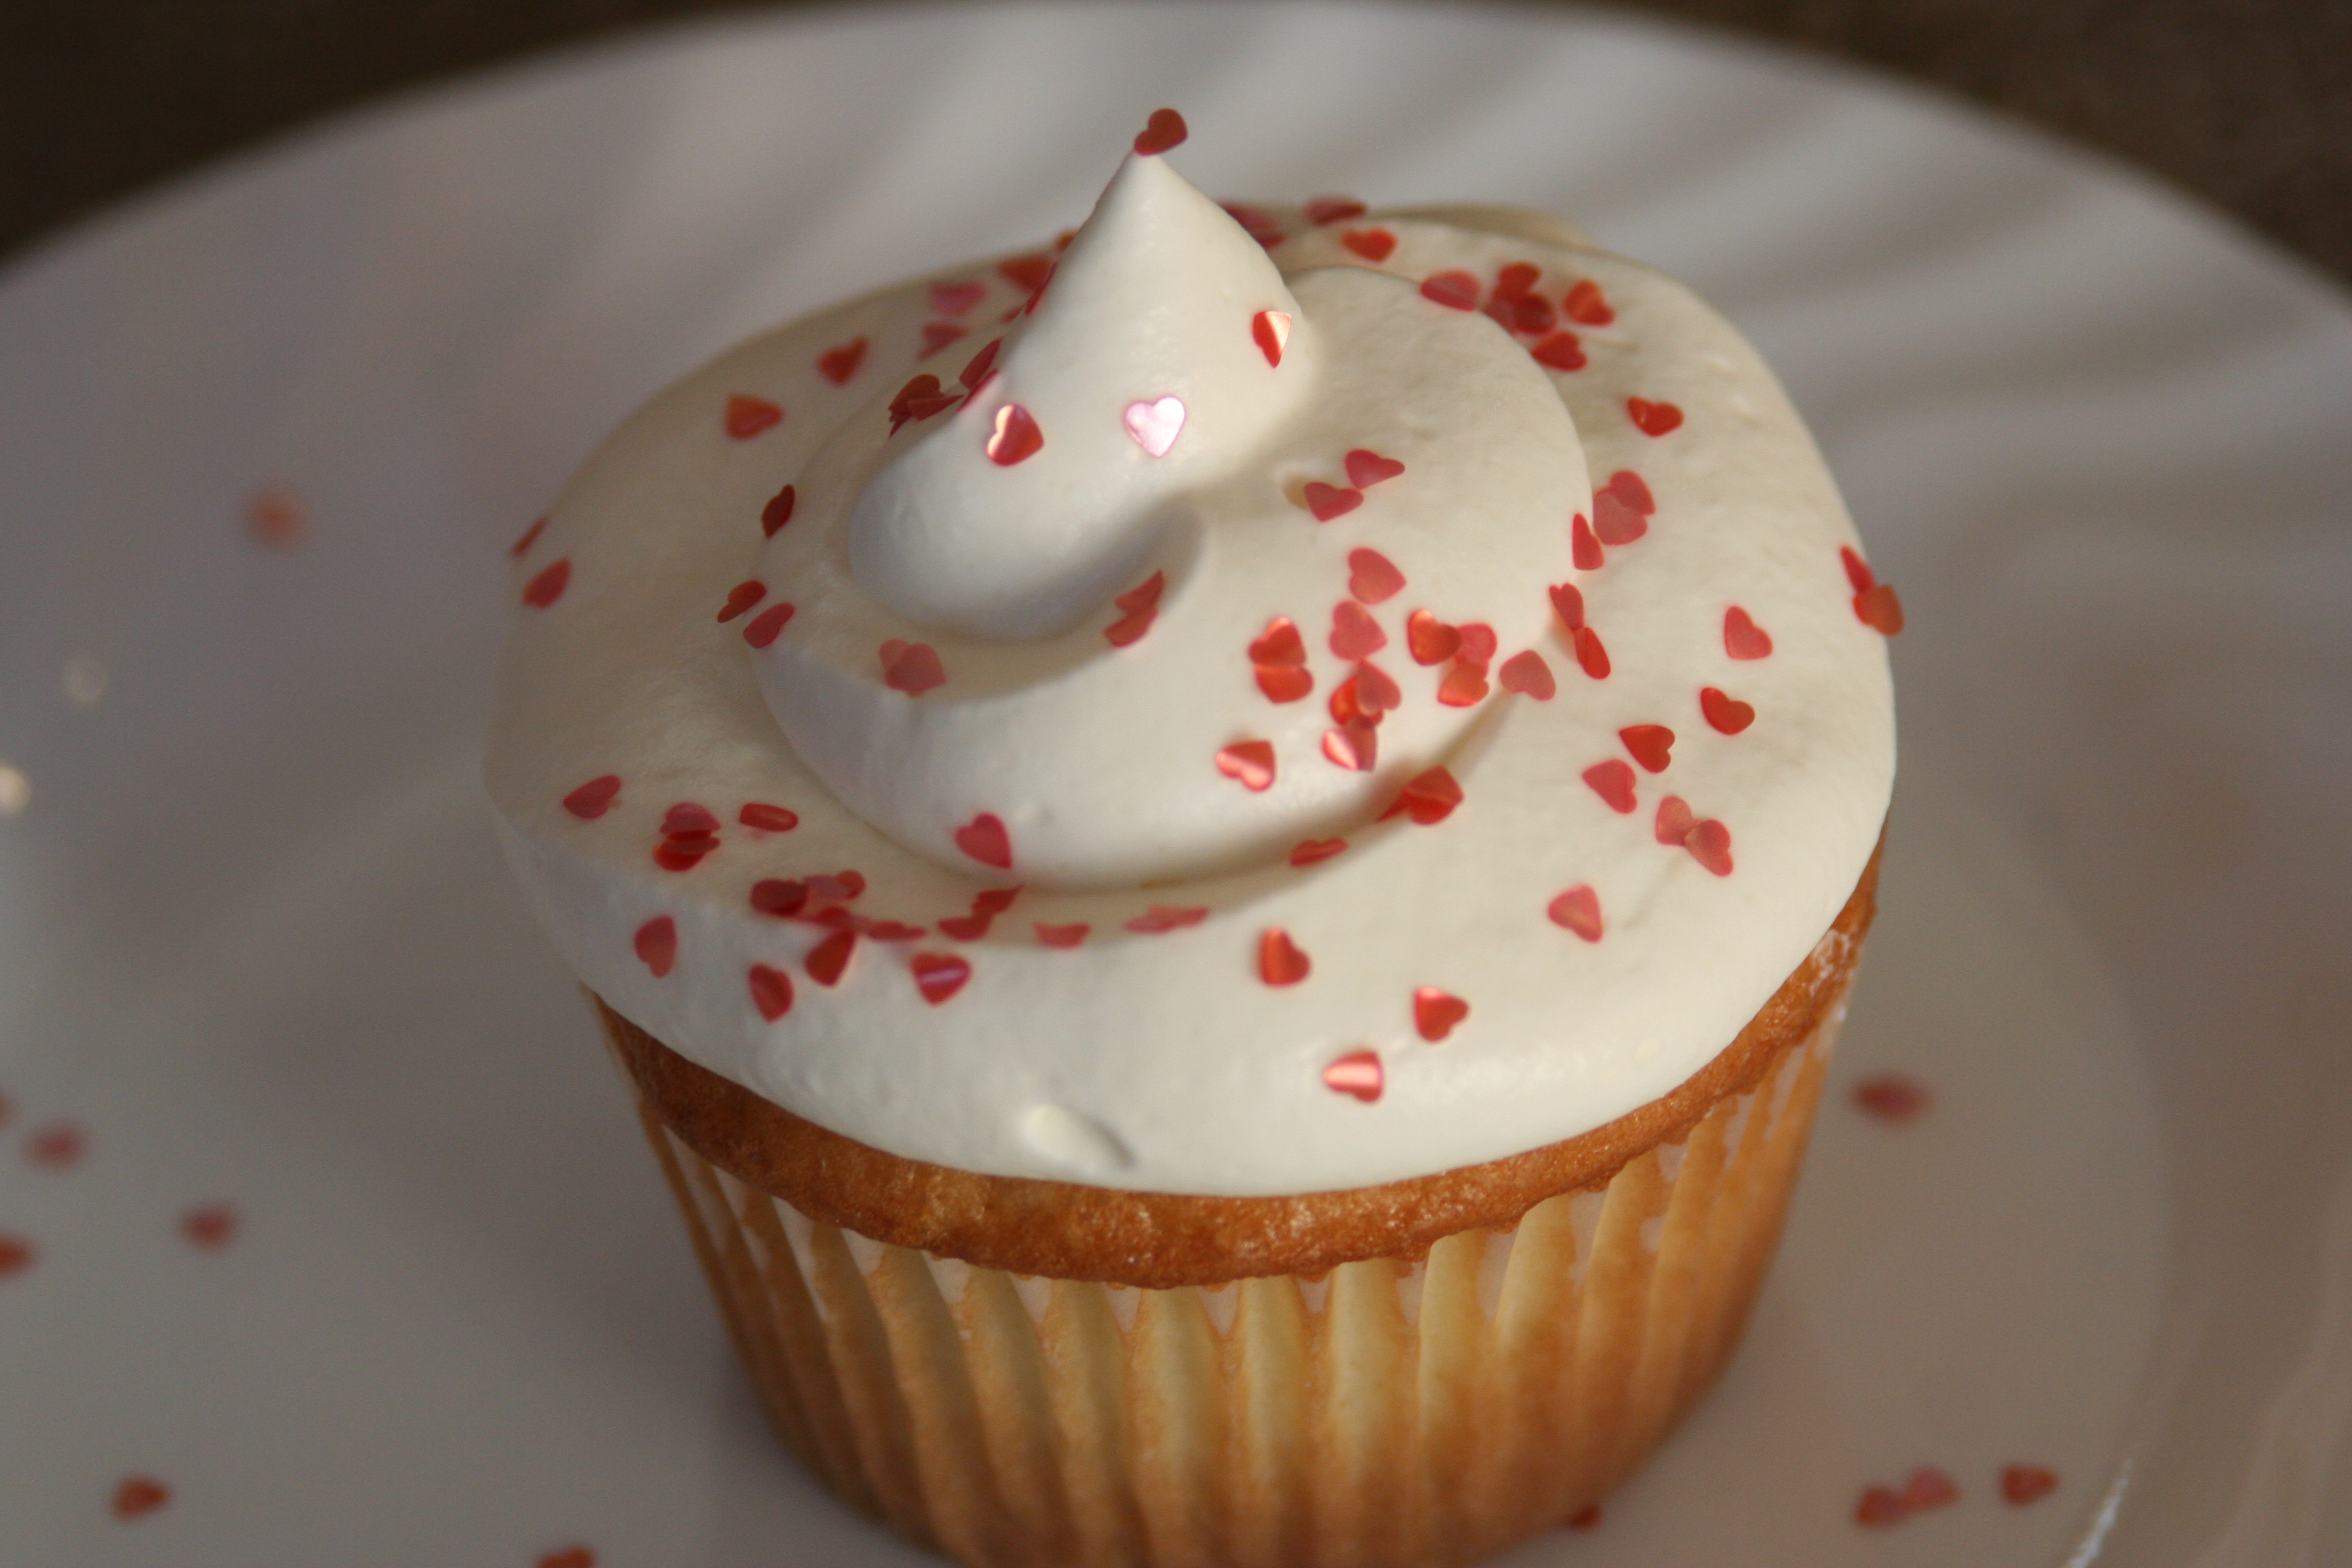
<point x="1423" y="1410"/>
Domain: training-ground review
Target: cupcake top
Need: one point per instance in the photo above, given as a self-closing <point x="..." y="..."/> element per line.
<point x="1253" y="703"/>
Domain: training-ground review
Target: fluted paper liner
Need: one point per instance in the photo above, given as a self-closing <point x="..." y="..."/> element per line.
<point x="1426" y="1410"/>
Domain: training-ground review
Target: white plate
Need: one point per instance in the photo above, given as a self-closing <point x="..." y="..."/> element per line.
<point x="256" y="942"/>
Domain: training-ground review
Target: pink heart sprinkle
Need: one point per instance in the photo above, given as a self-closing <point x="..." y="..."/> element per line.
<point x="1156" y="424"/>
<point x="1577" y="909"/>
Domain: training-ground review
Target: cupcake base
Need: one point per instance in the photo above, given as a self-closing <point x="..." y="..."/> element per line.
<point x="1423" y="1409"/>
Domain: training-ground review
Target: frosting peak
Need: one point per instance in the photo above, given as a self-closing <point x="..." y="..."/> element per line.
<point x="1137" y="379"/>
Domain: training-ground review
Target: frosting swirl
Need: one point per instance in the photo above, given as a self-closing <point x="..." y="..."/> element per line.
<point x="1435" y="741"/>
<point x="1173" y="401"/>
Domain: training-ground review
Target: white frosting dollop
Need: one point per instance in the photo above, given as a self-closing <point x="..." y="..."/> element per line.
<point x="987" y="813"/>
<point x="1097" y="752"/>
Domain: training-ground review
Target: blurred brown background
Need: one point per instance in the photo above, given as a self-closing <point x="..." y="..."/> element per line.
<point x="2246" y="103"/>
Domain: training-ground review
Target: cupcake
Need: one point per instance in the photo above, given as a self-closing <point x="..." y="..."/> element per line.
<point x="1224" y="858"/>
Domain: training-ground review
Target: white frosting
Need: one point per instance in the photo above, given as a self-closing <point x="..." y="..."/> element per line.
<point x="1073" y="721"/>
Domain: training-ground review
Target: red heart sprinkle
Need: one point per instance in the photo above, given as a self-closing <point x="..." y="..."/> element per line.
<point x="1579" y="909"/>
<point x="1651" y="744"/>
<point x="1434" y="1013"/>
<point x="938" y="975"/>
<point x="1015" y="438"/>
<point x="1517" y="281"/>
<point x="1726" y="713"/>
<point x="1270" y="330"/>
<point x="1163" y="131"/>
<point x="1928" y="1488"/>
<point x="656" y="944"/>
<point x="1628" y="487"/>
<point x="1061" y="936"/>
<point x="209" y="1226"/>
<point x="1129" y="628"/>
<point x="1371" y="243"/>
<point x="1454" y="290"/>
<point x="937" y="335"/>
<point x="979" y="366"/>
<point x="1710" y="843"/>
<point x="1160" y="918"/>
<point x="1376" y="693"/>
<point x="1144" y="594"/>
<point x="911" y="667"/>
<point x="1742" y="637"/>
<point x="1465" y="685"/>
<point x="16" y="1255"/>
<point x="1675" y="821"/>
<point x="1429" y="797"/>
<point x="1354" y="746"/>
<point x="569" y="1557"/>
<point x="1613" y="780"/>
<point x="778" y="511"/>
<point x="1892" y="1097"/>
<point x="748" y="416"/>
<point x="1367" y="468"/>
<point x="548" y="587"/>
<point x="1528" y="674"/>
<point x="2023" y="1484"/>
<point x="1141" y="605"/>
<point x="777" y="897"/>
<point x="845" y="885"/>
<point x="1333" y="209"/>
<point x="1308" y="851"/>
<point x="966" y="928"/>
<point x="1431" y="640"/>
<point x="838" y="365"/>
<point x="1879" y="610"/>
<point x="1280" y="643"/>
<point x="1358" y="1073"/>
<point x="1587" y="307"/>
<point x="594" y="798"/>
<point x="740" y="598"/>
<point x="1029" y="272"/>
<point x="771" y="989"/>
<point x="138" y="1496"/>
<point x="767" y="625"/>
<point x="828" y="958"/>
<point x="1531" y="317"/>
<point x="1857" y="570"/>
<point x="1653" y="418"/>
<point x="1372" y="577"/>
<point x="1591" y="656"/>
<point x="984" y="839"/>
<point x="767" y="818"/>
<point x="1567" y="600"/>
<point x="1584" y="549"/>
<point x="1354" y="634"/>
<point x="683" y="854"/>
<point x="1347" y="705"/>
<point x="1560" y="351"/>
<point x="58" y="1146"/>
<point x="919" y="399"/>
<point x="1284" y="682"/>
<point x="529" y="537"/>
<point x="1879" y="1506"/>
<point x="685" y="819"/>
<point x="955" y="298"/>
<point x="1327" y="501"/>
<point x="1613" y="522"/>
<point x="1478" y="642"/>
<point x="1586" y="1518"/>
<point x="1279" y="960"/>
<point x="1250" y="762"/>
